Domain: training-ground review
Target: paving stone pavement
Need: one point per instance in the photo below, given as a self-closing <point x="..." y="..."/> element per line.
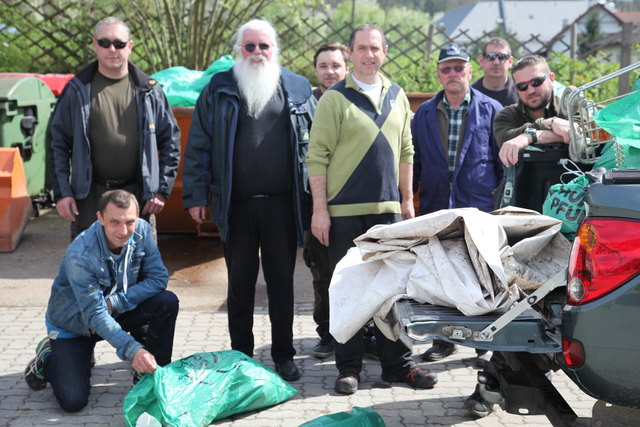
<point x="202" y="331"/>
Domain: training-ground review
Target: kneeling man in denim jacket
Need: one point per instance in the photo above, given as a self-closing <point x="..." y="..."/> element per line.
<point x="111" y="281"/>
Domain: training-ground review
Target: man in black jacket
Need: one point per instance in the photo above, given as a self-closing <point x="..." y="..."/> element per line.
<point x="112" y="129"/>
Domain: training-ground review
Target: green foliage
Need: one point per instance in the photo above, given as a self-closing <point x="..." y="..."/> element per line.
<point x="571" y="72"/>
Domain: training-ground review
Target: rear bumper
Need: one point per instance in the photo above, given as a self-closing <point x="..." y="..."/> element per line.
<point x="529" y="332"/>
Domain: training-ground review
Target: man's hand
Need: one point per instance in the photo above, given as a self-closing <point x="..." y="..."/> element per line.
<point x="67" y="208"/>
<point x="408" y="210"/>
<point x="562" y="128"/>
<point x="509" y="152"/>
<point x="197" y="213"/>
<point x="320" y="225"/>
<point x="144" y="362"/>
<point x="154" y="205"/>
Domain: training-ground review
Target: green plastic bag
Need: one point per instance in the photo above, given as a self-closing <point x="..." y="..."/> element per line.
<point x="358" y="417"/>
<point x="622" y="118"/>
<point x="204" y="387"/>
<point x="566" y="203"/>
<point x="630" y="155"/>
<point x="182" y="86"/>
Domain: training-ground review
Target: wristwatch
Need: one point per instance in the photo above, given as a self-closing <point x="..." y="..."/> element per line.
<point x="532" y="132"/>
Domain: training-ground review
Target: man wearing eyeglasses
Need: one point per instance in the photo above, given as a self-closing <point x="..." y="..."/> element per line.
<point x="245" y="159"/>
<point x="112" y="129"/>
<point x="496" y="61"/>
<point x="456" y="161"/>
<point x="537" y="118"/>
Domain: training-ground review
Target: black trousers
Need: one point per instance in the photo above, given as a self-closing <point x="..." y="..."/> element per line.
<point x="316" y="257"/>
<point x="68" y="367"/>
<point x="261" y="228"/>
<point x="395" y="357"/>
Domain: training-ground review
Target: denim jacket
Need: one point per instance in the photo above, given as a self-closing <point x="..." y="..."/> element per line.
<point x="87" y="277"/>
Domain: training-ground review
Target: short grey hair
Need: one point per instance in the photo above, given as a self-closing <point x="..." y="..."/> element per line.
<point x="259" y="25"/>
<point x="111" y="20"/>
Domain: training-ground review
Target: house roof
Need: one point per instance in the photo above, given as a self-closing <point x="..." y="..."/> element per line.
<point x="608" y="38"/>
<point x="524" y="18"/>
<point x="633" y="17"/>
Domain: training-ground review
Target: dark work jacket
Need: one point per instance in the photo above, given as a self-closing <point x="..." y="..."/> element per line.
<point x="478" y="169"/>
<point x="208" y="159"/>
<point x="69" y="145"/>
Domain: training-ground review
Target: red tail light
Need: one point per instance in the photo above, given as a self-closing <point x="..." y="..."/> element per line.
<point x="573" y="352"/>
<point x="605" y="255"/>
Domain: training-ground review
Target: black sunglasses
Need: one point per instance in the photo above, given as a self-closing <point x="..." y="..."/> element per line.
<point x="250" y="47"/>
<point x="492" y="56"/>
<point x="106" y="43"/>
<point x="456" y="68"/>
<point x="535" y="82"/>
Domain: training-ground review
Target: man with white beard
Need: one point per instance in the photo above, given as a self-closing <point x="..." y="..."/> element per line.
<point x="245" y="159"/>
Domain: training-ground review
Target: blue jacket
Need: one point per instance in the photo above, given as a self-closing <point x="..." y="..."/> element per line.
<point x="87" y="276"/>
<point x="70" y="148"/>
<point x="208" y="159"/>
<point x="478" y="169"/>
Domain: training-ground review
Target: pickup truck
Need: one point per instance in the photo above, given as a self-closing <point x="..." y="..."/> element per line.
<point x="587" y="324"/>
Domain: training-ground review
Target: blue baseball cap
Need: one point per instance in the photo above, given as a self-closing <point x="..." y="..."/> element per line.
<point x="453" y="51"/>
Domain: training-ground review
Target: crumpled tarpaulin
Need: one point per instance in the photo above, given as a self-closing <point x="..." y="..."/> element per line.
<point x="461" y="258"/>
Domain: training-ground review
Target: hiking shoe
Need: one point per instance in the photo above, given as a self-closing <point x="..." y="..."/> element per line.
<point x="439" y="351"/>
<point x="34" y="373"/>
<point x="479" y="407"/>
<point x="347" y="383"/>
<point x="416" y="378"/>
<point x="324" y="348"/>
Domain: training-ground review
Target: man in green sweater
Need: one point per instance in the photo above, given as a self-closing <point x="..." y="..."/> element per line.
<point x="360" y="153"/>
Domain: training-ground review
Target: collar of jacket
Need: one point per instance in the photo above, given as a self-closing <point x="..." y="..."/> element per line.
<point x="140" y="79"/>
<point x="98" y="231"/>
<point x="296" y="88"/>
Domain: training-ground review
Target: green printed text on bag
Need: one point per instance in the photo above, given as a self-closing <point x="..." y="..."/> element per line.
<point x="204" y="387"/>
<point x="566" y="203"/>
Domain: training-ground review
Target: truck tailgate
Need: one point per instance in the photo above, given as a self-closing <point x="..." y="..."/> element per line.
<point x="529" y="332"/>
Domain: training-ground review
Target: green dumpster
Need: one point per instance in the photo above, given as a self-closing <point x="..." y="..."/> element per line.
<point x="26" y="105"/>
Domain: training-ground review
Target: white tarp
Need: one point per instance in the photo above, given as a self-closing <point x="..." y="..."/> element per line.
<point x="461" y="258"/>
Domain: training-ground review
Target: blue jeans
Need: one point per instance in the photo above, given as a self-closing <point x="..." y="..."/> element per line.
<point x="68" y="367"/>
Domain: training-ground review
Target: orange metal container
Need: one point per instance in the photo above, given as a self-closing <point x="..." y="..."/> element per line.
<point x="15" y="203"/>
<point x="174" y="218"/>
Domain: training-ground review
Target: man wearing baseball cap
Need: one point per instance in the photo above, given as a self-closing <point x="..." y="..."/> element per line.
<point x="456" y="160"/>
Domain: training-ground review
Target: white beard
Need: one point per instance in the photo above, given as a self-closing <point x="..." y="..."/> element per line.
<point x="257" y="82"/>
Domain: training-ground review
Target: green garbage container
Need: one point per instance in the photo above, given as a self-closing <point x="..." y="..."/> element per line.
<point x="26" y="105"/>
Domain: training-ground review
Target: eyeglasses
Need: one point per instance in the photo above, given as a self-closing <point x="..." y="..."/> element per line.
<point x="250" y="47"/>
<point x="456" y="68"/>
<point x="535" y="82"/>
<point x="492" y="56"/>
<point x="106" y="43"/>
